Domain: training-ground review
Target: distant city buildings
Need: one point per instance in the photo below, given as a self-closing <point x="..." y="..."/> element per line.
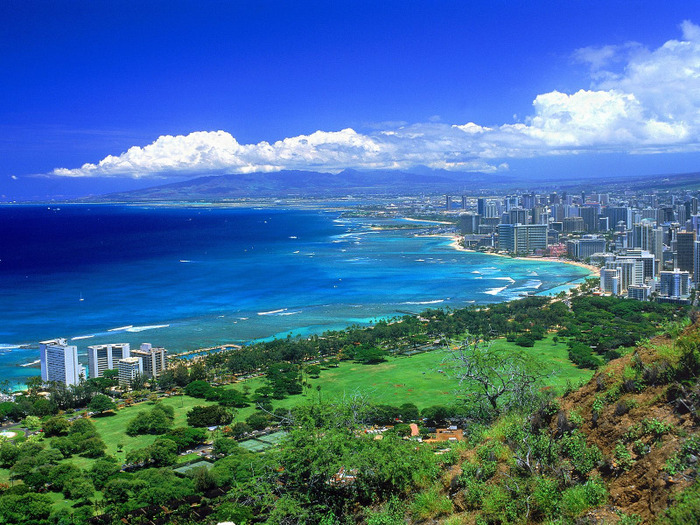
<point x="639" y="238"/>
<point x="59" y="362"/>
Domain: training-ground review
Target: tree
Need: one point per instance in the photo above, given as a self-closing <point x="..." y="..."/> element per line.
<point x="187" y="437"/>
<point x="102" y="470"/>
<point x="370" y="355"/>
<point x="258" y="421"/>
<point x="208" y="416"/>
<point x="181" y="375"/>
<point x="225" y="446"/>
<point x="157" y="421"/>
<point x="198" y="388"/>
<point x="198" y="372"/>
<point x="240" y="429"/>
<point x="166" y="380"/>
<point x="233" y="398"/>
<point x="56" y="426"/>
<point x="43" y="407"/>
<point x="101" y="403"/>
<point x="490" y="380"/>
<point x="79" y="489"/>
<point x="202" y="479"/>
<point x="31" y="423"/>
<point x="25" y="508"/>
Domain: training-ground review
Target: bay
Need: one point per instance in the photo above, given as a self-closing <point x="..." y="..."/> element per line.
<point x="187" y="277"/>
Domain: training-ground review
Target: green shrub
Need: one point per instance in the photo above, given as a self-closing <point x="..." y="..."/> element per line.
<point x="686" y="508"/>
<point x="392" y="513"/>
<point x="622" y="457"/>
<point x="575" y="500"/>
<point x="583" y="458"/>
<point x="546" y="498"/>
<point x="679" y="461"/>
<point x="431" y="504"/>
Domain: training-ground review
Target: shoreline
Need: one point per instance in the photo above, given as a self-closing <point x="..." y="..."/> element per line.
<point x="593" y="270"/>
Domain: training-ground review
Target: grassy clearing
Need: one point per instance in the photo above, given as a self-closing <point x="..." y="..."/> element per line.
<point x="418" y="379"/>
<point x="112" y="427"/>
<point x="551" y="358"/>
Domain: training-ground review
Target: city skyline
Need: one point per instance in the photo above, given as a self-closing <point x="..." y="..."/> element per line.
<point x="167" y="92"/>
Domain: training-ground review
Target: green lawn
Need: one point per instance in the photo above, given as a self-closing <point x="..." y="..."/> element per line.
<point x="418" y="379"/>
<point x="112" y="427"/>
<point x="553" y="358"/>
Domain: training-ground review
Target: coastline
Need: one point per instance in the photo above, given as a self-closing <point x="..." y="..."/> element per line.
<point x="593" y="271"/>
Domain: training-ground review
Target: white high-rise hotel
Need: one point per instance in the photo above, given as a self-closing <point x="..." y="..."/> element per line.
<point x="106" y="357"/>
<point x="59" y="362"/>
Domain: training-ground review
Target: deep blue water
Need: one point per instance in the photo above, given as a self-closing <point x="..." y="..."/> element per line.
<point x="189" y="277"/>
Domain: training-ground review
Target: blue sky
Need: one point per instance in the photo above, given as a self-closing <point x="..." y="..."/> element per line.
<point x="103" y="95"/>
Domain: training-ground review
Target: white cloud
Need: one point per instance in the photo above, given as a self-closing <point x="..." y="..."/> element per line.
<point x="639" y="101"/>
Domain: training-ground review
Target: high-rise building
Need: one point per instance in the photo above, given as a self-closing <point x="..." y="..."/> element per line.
<point x="640" y="292"/>
<point x="154" y="359"/>
<point x="105" y="357"/>
<point x="616" y="215"/>
<point x="685" y="244"/>
<point x="518" y="216"/>
<point x="522" y="238"/>
<point x="631" y="272"/>
<point x="573" y="224"/>
<point x="610" y="280"/>
<point x="59" y="362"/>
<point x="647" y="260"/>
<point x="696" y="264"/>
<point x="129" y="369"/>
<point x="469" y="222"/>
<point x="584" y="248"/>
<point x="448" y="202"/>
<point x="675" y="283"/>
<point x="589" y="214"/>
<point x="481" y="206"/>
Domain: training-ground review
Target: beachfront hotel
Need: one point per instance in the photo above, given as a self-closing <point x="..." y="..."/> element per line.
<point x="154" y="359"/>
<point x="105" y="357"/>
<point x="59" y="362"/>
<point x="129" y="369"/>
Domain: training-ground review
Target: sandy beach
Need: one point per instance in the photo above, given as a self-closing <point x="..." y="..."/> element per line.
<point x="456" y="244"/>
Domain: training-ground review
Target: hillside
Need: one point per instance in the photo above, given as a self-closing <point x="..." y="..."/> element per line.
<point x="623" y="448"/>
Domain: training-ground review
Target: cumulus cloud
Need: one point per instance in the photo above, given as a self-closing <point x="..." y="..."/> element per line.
<point x="639" y="101"/>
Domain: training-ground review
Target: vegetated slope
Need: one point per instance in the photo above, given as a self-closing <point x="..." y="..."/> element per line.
<point x="623" y="448"/>
<point x="631" y="411"/>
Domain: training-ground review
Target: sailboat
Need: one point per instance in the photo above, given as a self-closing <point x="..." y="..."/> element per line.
<point x="81" y="297"/>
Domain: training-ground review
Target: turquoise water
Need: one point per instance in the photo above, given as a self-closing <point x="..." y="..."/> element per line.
<point x="187" y="278"/>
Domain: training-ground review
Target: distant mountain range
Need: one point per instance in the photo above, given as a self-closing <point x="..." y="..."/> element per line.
<point x="290" y="183"/>
<point x="301" y="184"/>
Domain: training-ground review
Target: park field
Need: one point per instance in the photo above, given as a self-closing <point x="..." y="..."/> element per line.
<point x="422" y="379"/>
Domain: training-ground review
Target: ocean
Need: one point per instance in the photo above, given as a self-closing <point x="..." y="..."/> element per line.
<point x="187" y="277"/>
